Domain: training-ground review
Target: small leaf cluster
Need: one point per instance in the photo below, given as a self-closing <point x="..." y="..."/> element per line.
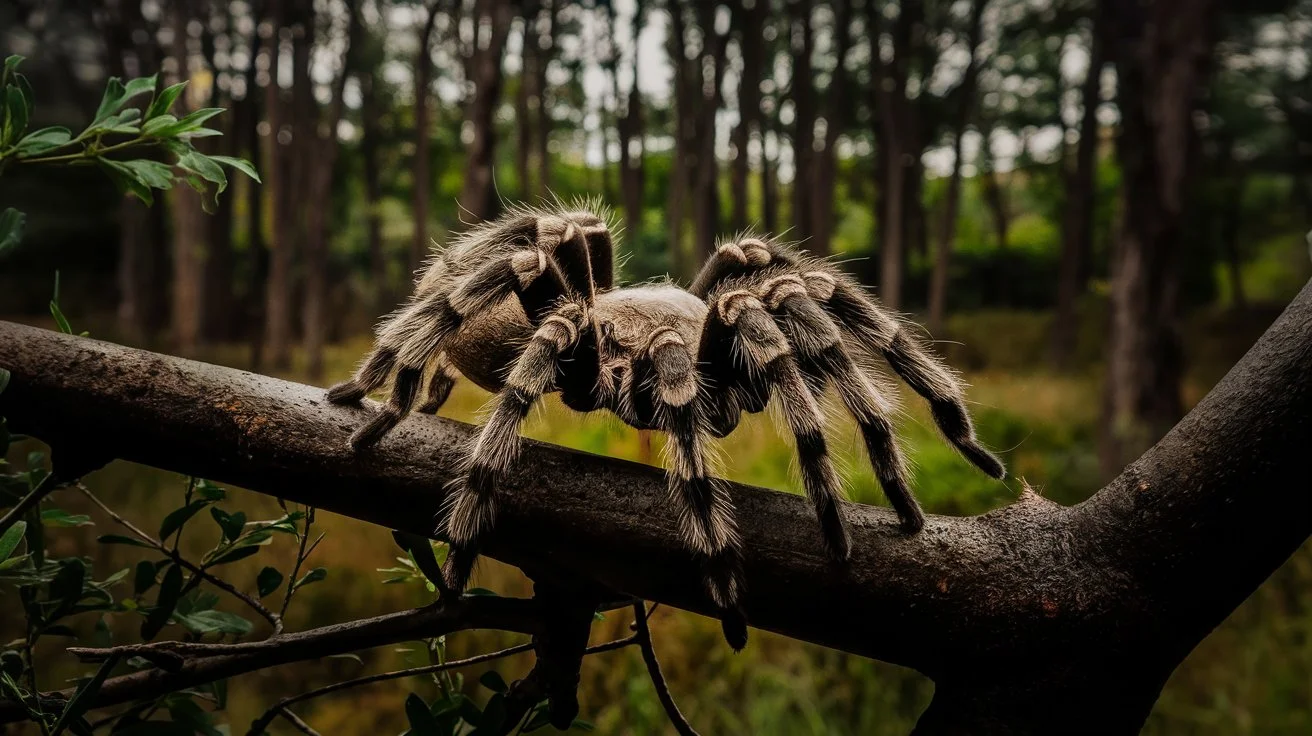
<point x="454" y="713"/>
<point x="132" y="129"/>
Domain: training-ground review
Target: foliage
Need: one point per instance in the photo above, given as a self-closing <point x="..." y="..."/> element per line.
<point x="120" y="140"/>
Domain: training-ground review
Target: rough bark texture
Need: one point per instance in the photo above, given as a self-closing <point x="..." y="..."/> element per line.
<point x="1033" y="619"/>
<point x="1162" y="54"/>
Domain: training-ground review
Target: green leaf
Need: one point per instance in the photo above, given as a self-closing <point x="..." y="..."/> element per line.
<point x="492" y="680"/>
<point x="178" y="517"/>
<point x="421" y="551"/>
<point x="184" y="710"/>
<point x="348" y="655"/>
<point x="10" y="539"/>
<point x="40" y="141"/>
<point x="209" y="491"/>
<point x="582" y="725"/>
<point x="144" y="577"/>
<point x="109" y="102"/>
<point x="138" y="86"/>
<point x="60" y="319"/>
<point x="312" y="576"/>
<point x="125" y="179"/>
<point x="151" y="173"/>
<point x="164" y="100"/>
<point x="61" y="518"/>
<point x="231" y="524"/>
<point x="85" y="695"/>
<point x="169" y="591"/>
<point x="204" y="167"/>
<point x="541" y="718"/>
<point x="238" y="553"/>
<point x="422" y="722"/>
<point x="239" y="164"/>
<point x="155" y="124"/>
<point x="11" y="64"/>
<point x="11" y="229"/>
<point x="268" y="581"/>
<point x="209" y="622"/>
<point x="188" y="123"/>
<point x="15" y="116"/>
<point x="481" y="591"/>
<point x="114" y="579"/>
<point x="120" y="539"/>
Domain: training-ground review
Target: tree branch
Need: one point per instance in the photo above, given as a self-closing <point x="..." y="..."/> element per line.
<point x="1021" y="616"/>
<point x="185" y="664"/>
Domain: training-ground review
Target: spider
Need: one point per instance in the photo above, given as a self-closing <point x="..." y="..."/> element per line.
<point x="527" y="305"/>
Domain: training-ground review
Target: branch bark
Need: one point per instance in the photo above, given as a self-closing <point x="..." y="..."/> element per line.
<point x="1034" y="618"/>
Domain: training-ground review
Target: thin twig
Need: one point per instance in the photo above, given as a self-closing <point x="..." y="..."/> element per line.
<point x="198" y="571"/>
<point x="44" y="487"/>
<point x="680" y="723"/>
<point x="301" y="554"/>
<point x="296" y="721"/>
<point x="262" y="722"/>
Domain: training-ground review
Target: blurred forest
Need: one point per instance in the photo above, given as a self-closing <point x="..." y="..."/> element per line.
<point x="1095" y="207"/>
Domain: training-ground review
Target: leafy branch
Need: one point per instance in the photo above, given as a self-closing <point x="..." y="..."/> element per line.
<point x="116" y="140"/>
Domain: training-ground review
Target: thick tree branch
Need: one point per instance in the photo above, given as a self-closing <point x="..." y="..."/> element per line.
<point x="1023" y="616"/>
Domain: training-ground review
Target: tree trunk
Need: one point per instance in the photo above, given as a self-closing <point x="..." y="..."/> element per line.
<point x="1077" y="219"/>
<point x="824" y="173"/>
<point x="527" y="99"/>
<point x="706" y="167"/>
<point x="280" y="177"/>
<point x="320" y="149"/>
<point x="477" y="197"/>
<point x="940" y="277"/>
<point x="680" y="178"/>
<point x="751" y="23"/>
<point x="1162" y="53"/>
<point x="769" y="186"/>
<point x="419" y="246"/>
<point x="543" y="59"/>
<point x="630" y="126"/>
<point x="804" y="114"/>
<point x="370" y="110"/>
<point x="190" y="230"/>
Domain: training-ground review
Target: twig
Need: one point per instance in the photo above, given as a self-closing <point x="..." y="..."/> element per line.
<point x="198" y="571"/>
<point x="296" y="721"/>
<point x="259" y="724"/>
<point x="301" y="554"/>
<point x="680" y="723"/>
<point x="44" y="487"/>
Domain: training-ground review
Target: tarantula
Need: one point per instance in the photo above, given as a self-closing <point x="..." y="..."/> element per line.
<point x="527" y="305"/>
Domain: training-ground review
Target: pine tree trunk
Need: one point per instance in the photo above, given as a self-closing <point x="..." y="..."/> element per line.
<point x="1162" y="57"/>
<point x="280" y="178"/>
<point x="189" y="228"/>
<point x="370" y="110"/>
<point x="477" y="194"/>
<point x="419" y="246"/>
<point x="804" y="111"/>
<point x="1077" y="219"/>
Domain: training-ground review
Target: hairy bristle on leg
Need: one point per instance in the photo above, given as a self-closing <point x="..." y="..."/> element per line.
<point x="759" y="337"/>
<point x="925" y="374"/>
<point x="819" y="343"/>
<point x="471" y="504"/>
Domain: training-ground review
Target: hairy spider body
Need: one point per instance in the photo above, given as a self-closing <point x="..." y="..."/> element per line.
<point x="527" y="305"/>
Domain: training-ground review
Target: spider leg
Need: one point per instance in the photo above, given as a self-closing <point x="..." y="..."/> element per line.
<point x="819" y="346"/>
<point x="706" y="516"/>
<point x="418" y="333"/>
<point x="766" y="351"/>
<point x="472" y="500"/>
<point x="730" y="260"/>
<point x="439" y="386"/>
<point x="925" y="373"/>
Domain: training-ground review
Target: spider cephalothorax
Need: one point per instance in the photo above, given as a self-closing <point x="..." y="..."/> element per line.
<point x="527" y="305"/>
